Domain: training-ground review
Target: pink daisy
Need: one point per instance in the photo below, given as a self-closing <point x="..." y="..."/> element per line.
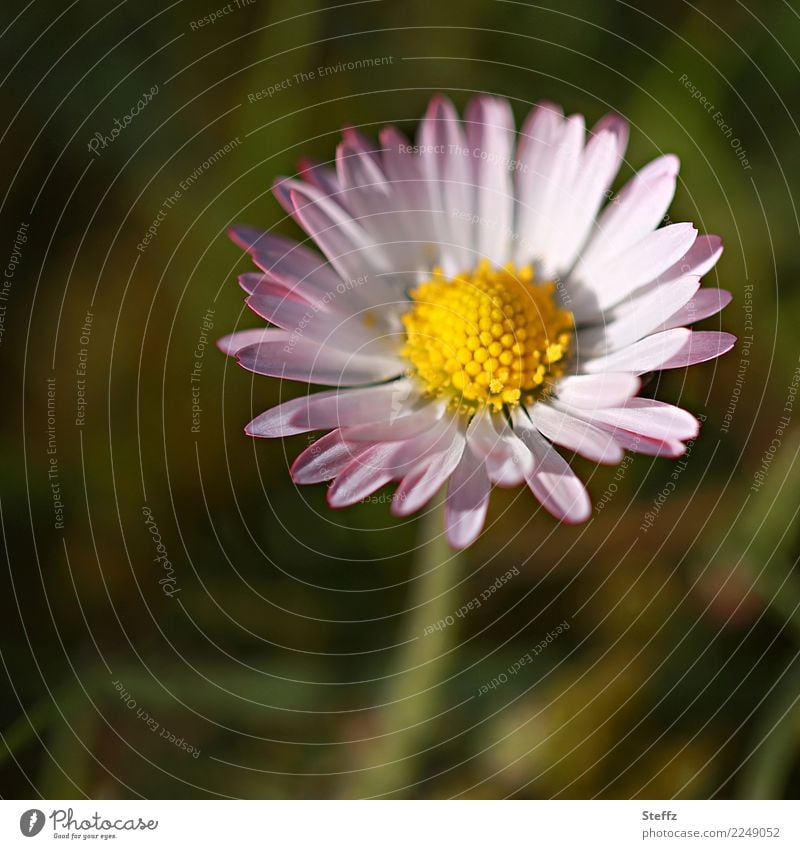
<point x="483" y="298"/>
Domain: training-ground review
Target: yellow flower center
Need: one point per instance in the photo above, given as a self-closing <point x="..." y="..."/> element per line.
<point x="487" y="338"/>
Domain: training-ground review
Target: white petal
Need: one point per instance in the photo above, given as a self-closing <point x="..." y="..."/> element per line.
<point x="490" y="135"/>
<point x="563" y="167"/>
<point x="352" y="333"/>
<point x="446" y="163"/>
<point x="581" y="199"/>
<point x="639" y="317"/>
<point x="509" y="465"/>
<point x="675" y="348"/>
<point x="411" y="191"/>
<point x="614" y="280"/>
<point x="467" y="501"/>
<point x="349" y="248"/>
<point x="619" y="127"/>
<point x="636" y="211"/>
<point x="539" y="140"/>
<point x="651" y="418"/>
<point x="591" y="391"/>
<point x="507" y="460"/>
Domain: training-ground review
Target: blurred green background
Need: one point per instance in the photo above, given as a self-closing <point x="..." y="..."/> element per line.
<point x="294" y="655"/>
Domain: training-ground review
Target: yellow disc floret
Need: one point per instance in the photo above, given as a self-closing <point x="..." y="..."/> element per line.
<point x="487" y="338"/>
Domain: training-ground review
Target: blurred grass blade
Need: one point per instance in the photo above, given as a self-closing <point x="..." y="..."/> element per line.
<point x="776" y="738"/>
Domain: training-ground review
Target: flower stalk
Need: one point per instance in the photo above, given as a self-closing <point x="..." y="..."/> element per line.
<point x="410" y="704"/>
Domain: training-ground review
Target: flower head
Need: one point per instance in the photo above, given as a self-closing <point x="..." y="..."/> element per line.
<point x="480" y="302"/>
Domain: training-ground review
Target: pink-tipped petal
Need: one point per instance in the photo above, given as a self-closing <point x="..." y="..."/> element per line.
<point x="648" y="354"/>
<point x="385" y="462"/>
<point x="259" y="283"/>
<point x="356" y="140"/>
<point x="349" y="248"/>
<point x="332" y="409"/>
<point x="363" y="476"/>
<point x="292" y="264"/>
<point x="619" y="127"/>
<point x="372" y="200"/>
<point x="234" y="342"/>
<point x="348" y="333"/>
<point x="324" y="178"/>
<point x="423" y="482"/>
<point x="576" y="435"/>
<point x="702" y="345"/>
<point x="704" y="304"/>
<point x="640" y="444"/>
<point x="701" y="257"/>
<point x="552" y="481"/>
<point x="325" y="458"/>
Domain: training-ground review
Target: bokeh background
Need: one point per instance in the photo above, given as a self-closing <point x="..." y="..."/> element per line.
<point x="287" y="651"/>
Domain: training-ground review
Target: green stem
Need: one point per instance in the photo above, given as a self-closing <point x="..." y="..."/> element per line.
<point x="411" y="698"/>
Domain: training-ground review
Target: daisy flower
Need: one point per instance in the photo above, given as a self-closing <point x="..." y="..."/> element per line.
<point x="481" y="300"/>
